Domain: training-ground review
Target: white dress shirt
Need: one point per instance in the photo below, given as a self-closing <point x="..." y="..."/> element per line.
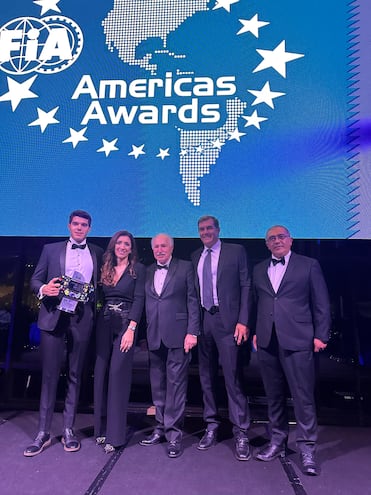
<point x="277" y="272"/>
<point x="79" y="261"/>
<point x="159" y="278"/>
<point x="215" y="253"/>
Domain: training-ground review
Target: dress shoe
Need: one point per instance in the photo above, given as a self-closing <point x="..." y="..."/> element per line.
<point x="69" y="440"/>
<point x="42" y="441"/>
<point x="174" y="449"/>
<point x="208" y="440"/>
<point x="100" y="440"/>
<point x="242" y="448"/>
<point x="109" y="449"/>
<point x="153" y="439"/>
<point x="308" y="463"/>
<point x="270" y="452"/>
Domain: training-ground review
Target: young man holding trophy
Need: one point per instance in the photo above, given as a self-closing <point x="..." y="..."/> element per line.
<point x="64" y="280"/>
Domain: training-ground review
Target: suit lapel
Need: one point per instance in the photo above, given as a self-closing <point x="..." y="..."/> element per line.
<point x="266" y="276"/>
<point x="62" y="258"/>
<point x="222" y="257"/>
<point x="152" y="270"/>
<point x="170" y="273"/>
<point x="95" y="264"/>
<point x="289" y="271"/>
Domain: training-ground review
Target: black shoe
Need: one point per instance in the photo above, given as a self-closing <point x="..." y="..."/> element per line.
<point x="270" y="452"/>
<point x="242" y="448"/>
<point x="40" y="443"/>
<point x="208" y="440"/>
<point x="174" y="449"/>
<point x="153" y="439"/>
<point x="69" y="440"/>
<point x="309" y="465"/>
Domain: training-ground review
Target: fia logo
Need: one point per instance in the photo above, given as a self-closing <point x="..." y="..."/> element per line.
<point x="46" y="45"/>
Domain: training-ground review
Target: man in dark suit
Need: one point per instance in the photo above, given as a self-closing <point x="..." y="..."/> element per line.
<point x="77" y="259"/>
<point x="172" y="314"/>
<point x="292" y="321"/>
<point x="223" y="285"/>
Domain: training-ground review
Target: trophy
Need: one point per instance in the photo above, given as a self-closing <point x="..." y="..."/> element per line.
<point x="73" y="290"/>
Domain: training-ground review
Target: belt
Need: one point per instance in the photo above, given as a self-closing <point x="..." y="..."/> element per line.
<point x="212" y="310"/>
<point x="116" y="306"/>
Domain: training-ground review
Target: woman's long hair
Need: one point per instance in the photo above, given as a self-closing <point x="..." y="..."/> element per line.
<point x="110" y="259"/>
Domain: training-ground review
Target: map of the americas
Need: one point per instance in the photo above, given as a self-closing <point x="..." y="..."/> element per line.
<point x="132" y="22"/>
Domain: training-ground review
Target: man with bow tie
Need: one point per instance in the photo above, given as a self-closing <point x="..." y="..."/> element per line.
<point x="172" y="314"/>
<point x="64" y="321"/>
<point x="292" y="323"/>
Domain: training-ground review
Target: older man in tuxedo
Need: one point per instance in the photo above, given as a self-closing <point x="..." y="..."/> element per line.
<point x="172" y="314"/>
<point x="64" y="321"/>
<point x="223" y="285"/>
<point x="292" y="323"/>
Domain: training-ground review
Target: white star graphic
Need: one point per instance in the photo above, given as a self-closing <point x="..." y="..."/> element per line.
<point x="236" y="134"/>
<point x="76" y="137"/>
<point x="108" y="146"/>
<point x="45" y="118"/>
<point x="217" y="144"/>
<point x="163" y="153"/>
<point x="224" y="4"/>
<point x="136" y="151"/>
<point x="47" y="5"/>
<point x="254" y="119"/>
<point x="18" y="91"/>
<point x="252" y="26"/>
<point x="183" y="152"/>
<point x="265" y="95"/>
<point x="277" y="59"/>
<point x="199" y="149"/>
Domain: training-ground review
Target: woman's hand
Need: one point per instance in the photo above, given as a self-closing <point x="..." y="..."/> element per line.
<point x="127" y="341"/>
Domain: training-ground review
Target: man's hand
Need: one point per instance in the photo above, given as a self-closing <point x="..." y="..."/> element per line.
<point x="190" y="341"/>
<point x="319" y="345"/>
<point x="241" y="333"/>
<point x="51" y="289"/>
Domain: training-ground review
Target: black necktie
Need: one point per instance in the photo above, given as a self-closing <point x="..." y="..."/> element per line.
<point x="78" y="246"/>
<point x="160" y="267"/>
<point x="207" y="282"/>
<point x="275" y="261"/>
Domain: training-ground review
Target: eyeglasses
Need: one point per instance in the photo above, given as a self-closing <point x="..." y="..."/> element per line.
<point x="279" y="237"/>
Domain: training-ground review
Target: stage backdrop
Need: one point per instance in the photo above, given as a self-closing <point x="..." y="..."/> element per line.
<point x="151" y="113"/>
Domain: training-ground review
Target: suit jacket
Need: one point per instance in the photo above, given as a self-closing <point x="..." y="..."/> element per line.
<point x="233" y="284"/>
<point x="52" y="264"/>
<point x="300" y="310"/>
<point x="174" y="313"/>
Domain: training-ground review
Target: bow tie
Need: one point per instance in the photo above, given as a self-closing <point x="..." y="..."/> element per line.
<point x="78" y="246"/>
<point x="160" y="267"/>
<point x="275" y="261"/>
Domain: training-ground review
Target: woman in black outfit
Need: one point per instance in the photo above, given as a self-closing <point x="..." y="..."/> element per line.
<point x="122" y="280"/>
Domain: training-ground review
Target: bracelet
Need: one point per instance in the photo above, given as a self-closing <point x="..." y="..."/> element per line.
<point x="132" y="328"/>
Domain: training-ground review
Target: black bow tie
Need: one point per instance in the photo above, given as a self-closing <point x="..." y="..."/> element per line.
<point x="78" y="246"/>
<point x="275" y="261"/>
<point x="160" y="267"/>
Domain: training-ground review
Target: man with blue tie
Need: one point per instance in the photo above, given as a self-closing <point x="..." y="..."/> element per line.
<point x="223" y="285"/>
<point x="62" y="321"/>
<point x="292" y="322"/>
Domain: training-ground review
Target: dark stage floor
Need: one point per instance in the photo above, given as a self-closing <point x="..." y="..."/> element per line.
<point x="344" y="454"/>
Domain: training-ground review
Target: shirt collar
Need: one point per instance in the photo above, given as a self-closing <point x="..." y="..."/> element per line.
<point x="215" y="247"/>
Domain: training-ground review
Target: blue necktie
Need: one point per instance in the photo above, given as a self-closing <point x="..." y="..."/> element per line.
<point x="207" y="282"/>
